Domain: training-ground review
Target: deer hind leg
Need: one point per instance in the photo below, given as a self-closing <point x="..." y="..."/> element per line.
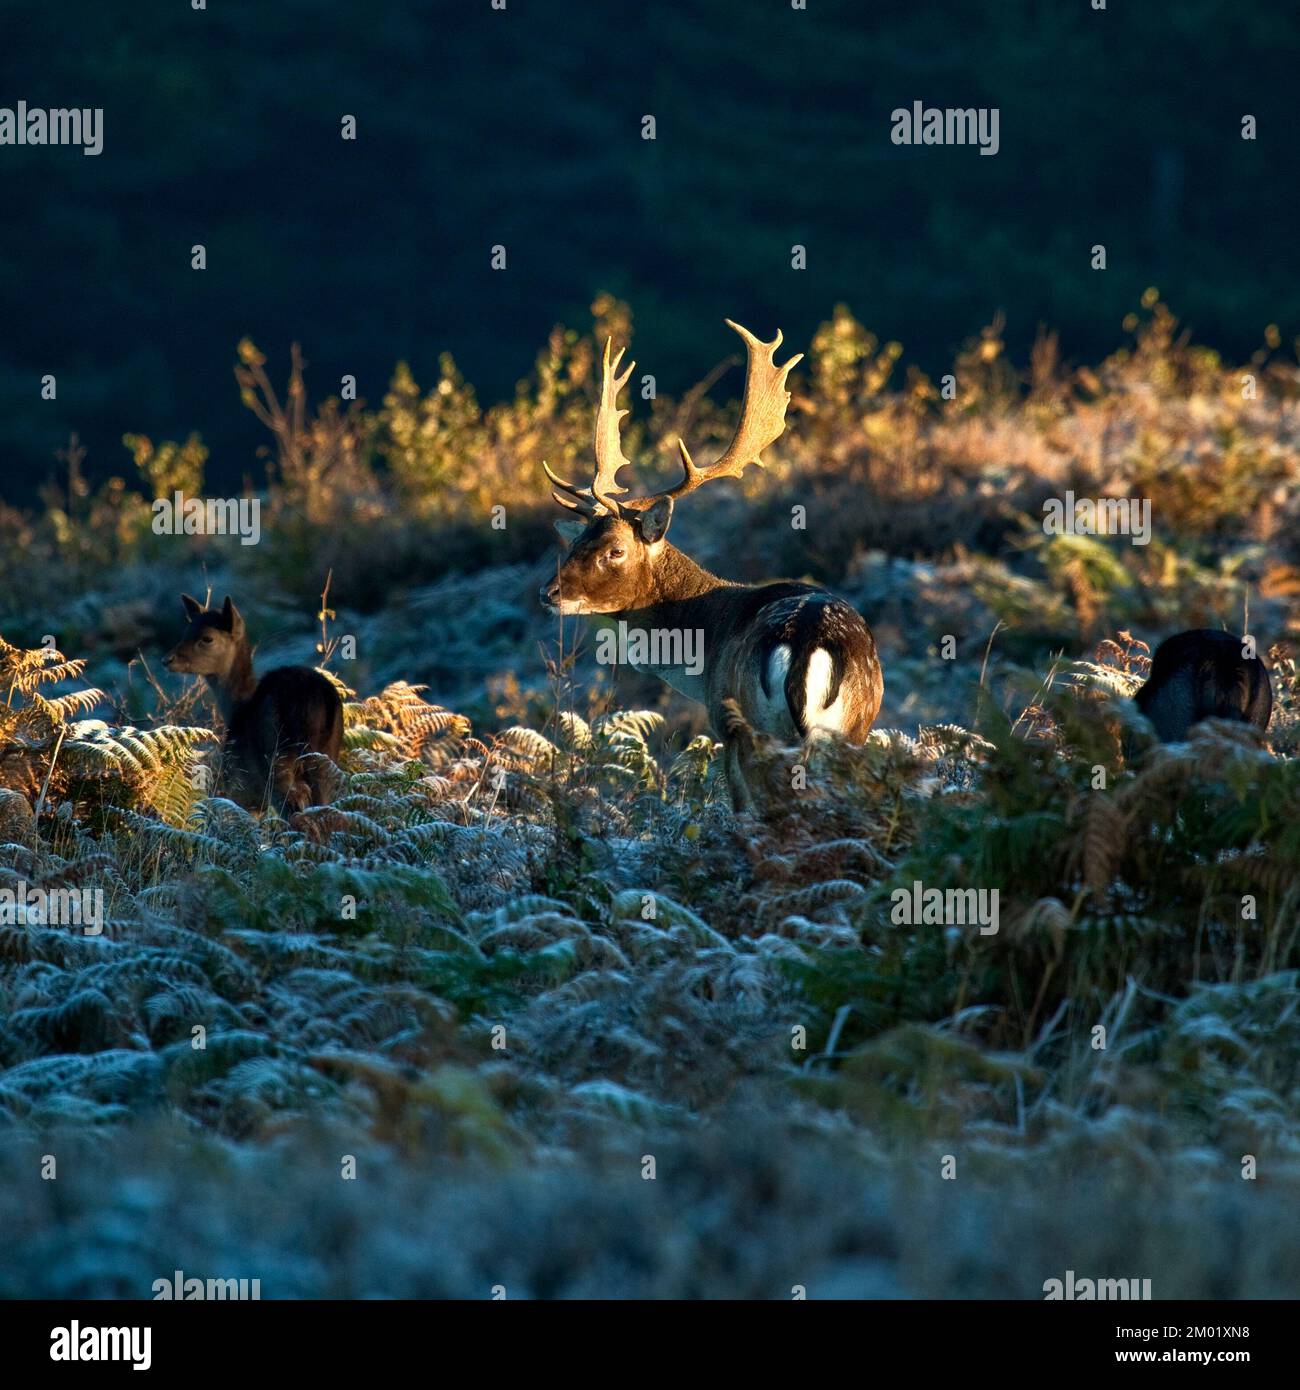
<point x="321" y="776"/>
<point x="737" y="752"/>
<point x="288" y="785"/>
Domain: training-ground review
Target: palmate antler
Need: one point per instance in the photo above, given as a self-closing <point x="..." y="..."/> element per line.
<point x="609" y="450"/>
<point x="762" y="422"/>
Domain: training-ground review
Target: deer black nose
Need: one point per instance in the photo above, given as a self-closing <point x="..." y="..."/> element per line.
<point x="550" y="593"/>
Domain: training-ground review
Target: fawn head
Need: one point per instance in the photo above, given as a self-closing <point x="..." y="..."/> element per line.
<point x="611" y="561"/>
<point x="212" y="642"/>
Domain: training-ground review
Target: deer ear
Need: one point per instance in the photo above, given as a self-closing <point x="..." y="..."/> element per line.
<point x="192" y="606"/>
<point x="570" y="530"/>
<point x="653" y="523"/>
<point x="231" y="617"/>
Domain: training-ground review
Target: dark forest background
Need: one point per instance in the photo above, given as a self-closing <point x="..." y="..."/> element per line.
<point x="523" y="127"/>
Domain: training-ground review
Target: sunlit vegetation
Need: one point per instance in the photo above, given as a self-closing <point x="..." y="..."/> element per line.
<point x="529" y="944"/>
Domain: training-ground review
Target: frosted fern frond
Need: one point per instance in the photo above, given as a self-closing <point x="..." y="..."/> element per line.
<point x="401" y="711"/>
<point x="529" y="748"/>
<point x="641" y="724"/>
<point x="575" y="733"/>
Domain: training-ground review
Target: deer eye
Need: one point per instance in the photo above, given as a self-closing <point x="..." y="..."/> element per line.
<point x="616" y="553"/>
<point x="206" y="639"/>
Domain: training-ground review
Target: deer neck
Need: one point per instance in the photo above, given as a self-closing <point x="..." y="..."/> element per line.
<point x="237" y="685"/>
<point x="675" y="580"/>
<point x="669" y="614"/>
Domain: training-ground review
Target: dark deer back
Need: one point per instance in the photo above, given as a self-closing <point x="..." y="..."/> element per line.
<point x="285" y="739"/>
<point x="1203" y="674"/>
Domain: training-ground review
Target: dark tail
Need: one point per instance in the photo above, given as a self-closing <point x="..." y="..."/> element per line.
<point x="804" y="628"/>
<point x="808" y="620"/>
<point x="796" y="679"/>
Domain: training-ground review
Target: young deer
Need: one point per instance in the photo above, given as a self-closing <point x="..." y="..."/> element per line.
<point x="798" y="661"/>
<point x="1203" y="674"/>
<point x="273" y="726"/>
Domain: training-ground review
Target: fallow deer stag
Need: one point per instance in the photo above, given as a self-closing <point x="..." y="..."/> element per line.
<point x="798" y="661"/>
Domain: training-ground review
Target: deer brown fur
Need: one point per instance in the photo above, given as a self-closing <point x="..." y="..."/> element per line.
<point x="798" y="661"/>
<point x="283" y="733"/>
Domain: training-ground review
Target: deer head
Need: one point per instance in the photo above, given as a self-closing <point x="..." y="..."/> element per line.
<point x="213" y="641"/>
<point x="615" y="547"/>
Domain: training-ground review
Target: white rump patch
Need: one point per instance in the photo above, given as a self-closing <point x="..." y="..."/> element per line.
<point x="774" y="706"/>
<point x="818" y="716"/>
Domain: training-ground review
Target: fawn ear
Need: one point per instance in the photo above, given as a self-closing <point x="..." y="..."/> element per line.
<point x="192" y="606"/>
<point x="653" y="523"/>
<point x="231" y="618"/>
